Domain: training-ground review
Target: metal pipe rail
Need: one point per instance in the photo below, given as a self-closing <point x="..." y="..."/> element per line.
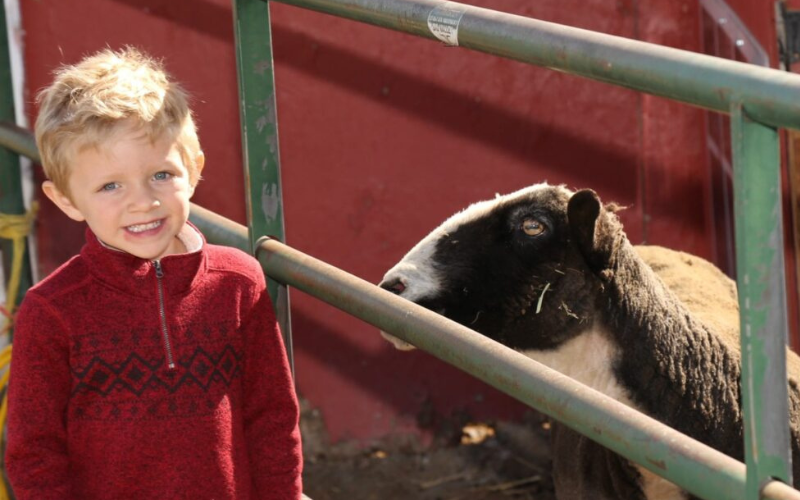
<point x="694" y="466"/>
<point x="770" y="96"/>
<point x="19" y="140"/>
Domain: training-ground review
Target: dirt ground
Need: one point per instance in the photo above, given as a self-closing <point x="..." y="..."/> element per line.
<point x="466" y="461"/>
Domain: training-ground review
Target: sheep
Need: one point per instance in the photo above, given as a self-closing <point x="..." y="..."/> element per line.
<point x="550" y="273"/>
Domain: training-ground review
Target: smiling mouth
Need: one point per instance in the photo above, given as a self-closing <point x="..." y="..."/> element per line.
<point x="138" y="228"/>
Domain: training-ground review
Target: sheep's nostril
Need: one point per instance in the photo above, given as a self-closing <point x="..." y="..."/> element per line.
<point x="395" y="286"/>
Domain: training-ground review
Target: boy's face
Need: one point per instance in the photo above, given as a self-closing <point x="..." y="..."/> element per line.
<point x="132" y="193"/>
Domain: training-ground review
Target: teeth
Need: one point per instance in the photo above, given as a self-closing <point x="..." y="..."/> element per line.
<point x="144" y="227"/>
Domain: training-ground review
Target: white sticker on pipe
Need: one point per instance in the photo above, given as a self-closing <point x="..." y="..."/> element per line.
<point x="443" y="21"/>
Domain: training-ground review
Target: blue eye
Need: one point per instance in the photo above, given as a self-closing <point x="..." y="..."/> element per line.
<point x="109" y="187"/>
<point x="162" y="176"/>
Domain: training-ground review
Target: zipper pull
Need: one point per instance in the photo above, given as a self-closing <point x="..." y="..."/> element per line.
<point x="159" y="271"/>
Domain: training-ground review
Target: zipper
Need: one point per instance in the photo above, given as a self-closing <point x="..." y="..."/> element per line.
<point x="163" y="314"/>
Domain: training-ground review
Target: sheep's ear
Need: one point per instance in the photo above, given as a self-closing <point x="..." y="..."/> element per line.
<point x="588" y="228"/>
<point x="582" y="212"/>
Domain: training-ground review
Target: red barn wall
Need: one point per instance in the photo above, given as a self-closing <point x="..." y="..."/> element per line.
<point x="382" y="136"/>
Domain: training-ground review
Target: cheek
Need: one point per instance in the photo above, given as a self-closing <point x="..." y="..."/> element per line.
<point x="99" y="217"/>
<point x="179" y="188"/>
<point x="182" y="194"/>
<point x="100" y="207"/>
<point x="184" y="184"/>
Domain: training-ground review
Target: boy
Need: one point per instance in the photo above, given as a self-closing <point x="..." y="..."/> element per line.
<point x="150" y="366"/>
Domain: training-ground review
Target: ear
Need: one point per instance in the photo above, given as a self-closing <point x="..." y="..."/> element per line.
<point x="592" y="228"/>
<point x="62" y="201"/>
<point x="582" y="212"/>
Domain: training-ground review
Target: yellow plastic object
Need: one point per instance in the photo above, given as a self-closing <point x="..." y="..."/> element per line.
<point x="5" y="365"/>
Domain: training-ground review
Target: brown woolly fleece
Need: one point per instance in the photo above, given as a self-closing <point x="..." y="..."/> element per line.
<point x="676" y="317"/>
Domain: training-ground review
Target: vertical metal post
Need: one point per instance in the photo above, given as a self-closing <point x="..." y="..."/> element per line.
<point x="762" y="300"/>
<point x="11" y="198"/>
<point x="259" y="120"/>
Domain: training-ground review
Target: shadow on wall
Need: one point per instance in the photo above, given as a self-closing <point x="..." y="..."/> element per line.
<point x="525" y="137"/>
<point x="439" y="392"/>
<point x="530" y="139"/>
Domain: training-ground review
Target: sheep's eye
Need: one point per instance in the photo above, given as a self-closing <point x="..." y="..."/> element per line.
<point x="532" y="227"/>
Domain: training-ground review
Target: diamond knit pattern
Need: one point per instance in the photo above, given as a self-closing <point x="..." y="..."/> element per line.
<point x="136" y="375"/>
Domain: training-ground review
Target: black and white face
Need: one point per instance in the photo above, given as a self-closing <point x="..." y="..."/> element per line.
<point x="506" y="268"/>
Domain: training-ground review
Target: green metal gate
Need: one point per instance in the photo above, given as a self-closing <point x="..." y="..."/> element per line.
<point x="759" y="101"/>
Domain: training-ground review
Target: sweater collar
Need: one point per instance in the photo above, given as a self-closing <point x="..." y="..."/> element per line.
<point x="135" y="276"/>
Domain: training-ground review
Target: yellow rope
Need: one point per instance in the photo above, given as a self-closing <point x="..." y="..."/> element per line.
<point x="16" y="228"/>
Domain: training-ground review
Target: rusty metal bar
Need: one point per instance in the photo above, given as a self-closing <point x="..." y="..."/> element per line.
<point x="18" y="140"/>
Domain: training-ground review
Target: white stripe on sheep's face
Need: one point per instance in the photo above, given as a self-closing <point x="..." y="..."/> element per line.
<point x="504" y="267"/>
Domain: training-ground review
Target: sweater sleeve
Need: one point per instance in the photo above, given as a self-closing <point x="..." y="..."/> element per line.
<point x="37" y="461"/>
<point x="271" y="412"/>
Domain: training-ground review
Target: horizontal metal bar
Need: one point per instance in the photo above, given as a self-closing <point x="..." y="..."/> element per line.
<point x="18" y="140"/>
<point x="769" y="96"/>
<point x="220" y="230"/>
<point x="692" y="465"/>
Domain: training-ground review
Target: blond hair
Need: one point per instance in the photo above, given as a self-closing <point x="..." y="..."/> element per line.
<point x="88" y="101"/>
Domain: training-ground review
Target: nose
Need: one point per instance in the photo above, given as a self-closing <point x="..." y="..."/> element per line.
<point x="396" y="286"/>
<point x="143" y="199"/>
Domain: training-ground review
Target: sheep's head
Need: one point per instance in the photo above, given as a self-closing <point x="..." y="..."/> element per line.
<point x="522" y="268"/>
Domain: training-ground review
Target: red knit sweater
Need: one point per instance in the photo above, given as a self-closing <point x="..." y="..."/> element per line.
<point x="96" y="412"/>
